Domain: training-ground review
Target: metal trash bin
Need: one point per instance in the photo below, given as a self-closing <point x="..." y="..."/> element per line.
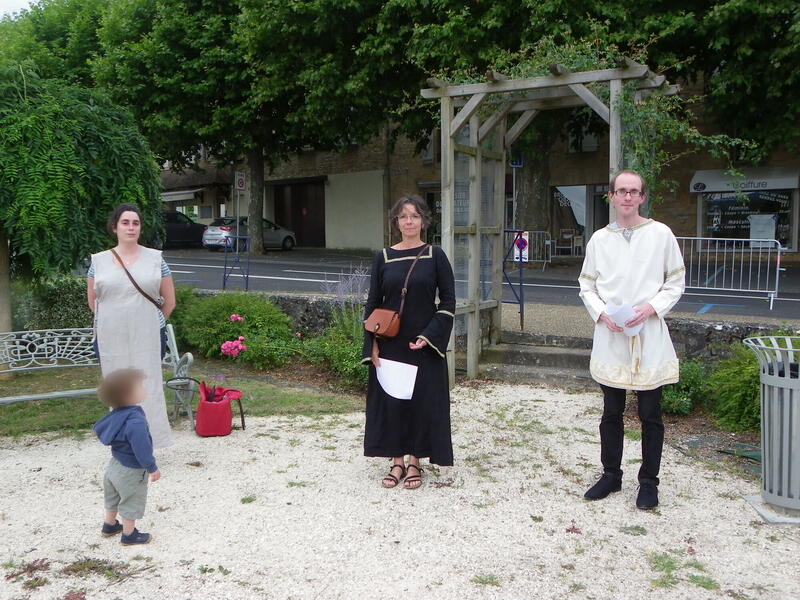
<point x="779" y="358"/>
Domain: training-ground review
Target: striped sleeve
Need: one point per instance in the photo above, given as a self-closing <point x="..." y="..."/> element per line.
<point x="165" y="272"/>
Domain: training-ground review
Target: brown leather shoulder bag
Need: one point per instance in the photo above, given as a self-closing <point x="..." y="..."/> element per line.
<point x="384" y="322"/>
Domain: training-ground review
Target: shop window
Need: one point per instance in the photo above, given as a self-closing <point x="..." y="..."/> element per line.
<point x="756" y="215"/>
<point x="206" y="211"/>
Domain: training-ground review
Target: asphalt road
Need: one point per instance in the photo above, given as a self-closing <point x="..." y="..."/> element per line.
<point x="315" y="271"/>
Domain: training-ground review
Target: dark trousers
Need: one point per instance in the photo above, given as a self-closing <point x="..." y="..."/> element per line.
<point x="612" y="432"/>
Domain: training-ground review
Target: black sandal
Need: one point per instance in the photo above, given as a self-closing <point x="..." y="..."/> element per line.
<point x="391" y="477"/>
<point x="414" y="478"/>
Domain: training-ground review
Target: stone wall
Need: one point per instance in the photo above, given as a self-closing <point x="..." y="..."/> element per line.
<point x="710" y="339"/>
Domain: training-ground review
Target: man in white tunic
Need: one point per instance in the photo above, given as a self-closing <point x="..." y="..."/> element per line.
<point x="636" y="262"/>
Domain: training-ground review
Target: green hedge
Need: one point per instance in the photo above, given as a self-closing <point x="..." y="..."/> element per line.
<point x="204" y="323"/>
<point x="735" y="390"/>
<point x="53" y="303"/>
<point x="690" y="392"/>
<point x="339" y="348"/>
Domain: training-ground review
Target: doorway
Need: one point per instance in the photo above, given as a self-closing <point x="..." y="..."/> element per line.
<point x="300" y="207"/>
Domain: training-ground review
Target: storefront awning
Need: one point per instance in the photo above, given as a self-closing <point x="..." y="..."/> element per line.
<point x="760" y="178"/>
<point x="178" y="195"/>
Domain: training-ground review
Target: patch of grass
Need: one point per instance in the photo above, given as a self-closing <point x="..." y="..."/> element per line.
<point x="665" y="581"/>
<point x="294" y="484"/>
<point x="693" y="564"/>
<point x="205" y="570"/>
<point x="248" y="500"/>
<point x="703" y="581"/>
<point x="35" y="583"/>
<point x="576" y="587"/>
<point x="26" y="569"/>
<point x="488" y="579"/>
<point x="223" y="570"/>
<point x="85" y="567"/>
<point x="663" y="562"/>
<point x="634" y="530"/>
<point x="633" y="434"/>
<point x="537" y="518"/>
<point x="68" y="416"/>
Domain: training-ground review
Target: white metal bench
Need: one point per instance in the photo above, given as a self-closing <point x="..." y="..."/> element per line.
<point x="26" y="351"/>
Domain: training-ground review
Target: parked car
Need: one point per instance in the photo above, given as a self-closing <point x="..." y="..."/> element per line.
<point x="181" y="230"/>
<point x="275" y="236"/>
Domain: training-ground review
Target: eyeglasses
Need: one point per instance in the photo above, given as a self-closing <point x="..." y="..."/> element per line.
<point x="408" y="217"/>
<point x="634" y="193"/>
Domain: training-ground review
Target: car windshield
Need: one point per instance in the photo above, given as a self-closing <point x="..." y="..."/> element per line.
<point x="226" y="221"/>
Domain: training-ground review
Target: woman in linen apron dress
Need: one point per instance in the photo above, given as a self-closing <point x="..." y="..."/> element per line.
<point x="128" y="326"/>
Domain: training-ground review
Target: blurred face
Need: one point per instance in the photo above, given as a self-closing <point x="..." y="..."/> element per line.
<point x="409" y="222"/>
<point x="128" y="227"/>
<point x="627" y="195"/>
<point x="137" y="394"/>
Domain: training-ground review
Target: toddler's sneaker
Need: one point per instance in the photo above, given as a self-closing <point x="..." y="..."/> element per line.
<point x="136" y="537"/>
<point x="109" y="530"/>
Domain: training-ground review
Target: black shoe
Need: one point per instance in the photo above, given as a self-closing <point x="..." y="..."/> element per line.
<point x="135" y="538"/>
<point x="647" y="499"/>
<point x="607" y="484"/>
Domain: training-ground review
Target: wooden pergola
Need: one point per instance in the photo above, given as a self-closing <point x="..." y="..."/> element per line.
<point x="474" y="144"/>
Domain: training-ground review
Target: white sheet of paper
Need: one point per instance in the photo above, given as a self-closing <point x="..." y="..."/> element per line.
<point x="396" y="378"/>
<point x="620" y="314"/>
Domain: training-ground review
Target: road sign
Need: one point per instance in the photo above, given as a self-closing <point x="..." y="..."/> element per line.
<point x="516" y="161"/>
<point x="521" y="247"/>
<point x="240" y="180"/>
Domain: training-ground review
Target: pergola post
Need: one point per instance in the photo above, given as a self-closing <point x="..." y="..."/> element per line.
<point x="474" y="244"/>
<point x="448" y="203"/>
<point x="498" y="249"/>
<point x="614" y="135"/>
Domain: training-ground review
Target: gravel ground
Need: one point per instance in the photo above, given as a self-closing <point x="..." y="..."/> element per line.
<point x="508" y="521"/>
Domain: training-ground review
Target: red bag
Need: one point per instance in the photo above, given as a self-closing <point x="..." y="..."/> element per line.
<point x="214" y="413"/>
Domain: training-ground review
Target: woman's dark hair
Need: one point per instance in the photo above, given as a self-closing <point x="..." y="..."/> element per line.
<point x="419" y="205"/>
<point x="115" y="215"/>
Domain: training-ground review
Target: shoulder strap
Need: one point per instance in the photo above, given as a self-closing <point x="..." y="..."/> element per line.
<point x="408" y="276"/>
<point x="133" y="281"/>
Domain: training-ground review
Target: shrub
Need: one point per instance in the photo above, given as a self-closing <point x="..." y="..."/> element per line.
<point x="340" y="346"/>
<point x="690" y="391"/>
<point x="735" y="389"/>
<point x="185" y="297"/>
<point x="52" y="303"/>
<point x="205" y="323"/>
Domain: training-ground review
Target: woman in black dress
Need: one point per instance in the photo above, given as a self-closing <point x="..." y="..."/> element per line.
<point x="419" y="427"/>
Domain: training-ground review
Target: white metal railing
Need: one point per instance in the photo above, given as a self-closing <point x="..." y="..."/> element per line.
<point x="733" y="265"/>
<point x="540" y="246"/>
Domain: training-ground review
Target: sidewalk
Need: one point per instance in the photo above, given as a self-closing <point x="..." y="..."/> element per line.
<point x="574" y="321"/>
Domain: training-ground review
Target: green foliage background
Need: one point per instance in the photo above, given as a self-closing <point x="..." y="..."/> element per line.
<point x="68" y="155"/>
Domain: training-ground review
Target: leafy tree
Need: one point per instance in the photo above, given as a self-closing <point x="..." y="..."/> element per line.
<point x="68" y="155"/>
<point x="176" y="64"/>
<point x="58" y="36"/>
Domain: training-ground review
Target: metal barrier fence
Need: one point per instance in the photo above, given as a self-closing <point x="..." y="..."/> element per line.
<point x="732" y="265"/>
<point x="540" y="246"/>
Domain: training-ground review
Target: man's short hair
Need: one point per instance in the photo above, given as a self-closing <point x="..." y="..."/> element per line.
<point x="116" y="389"/>
<point x="612" y="183"/>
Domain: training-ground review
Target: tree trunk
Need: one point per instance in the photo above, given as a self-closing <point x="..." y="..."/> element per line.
<point x="5" y="282"/>
<point x="255" y="213"/>
<point x="533" y="194"/>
